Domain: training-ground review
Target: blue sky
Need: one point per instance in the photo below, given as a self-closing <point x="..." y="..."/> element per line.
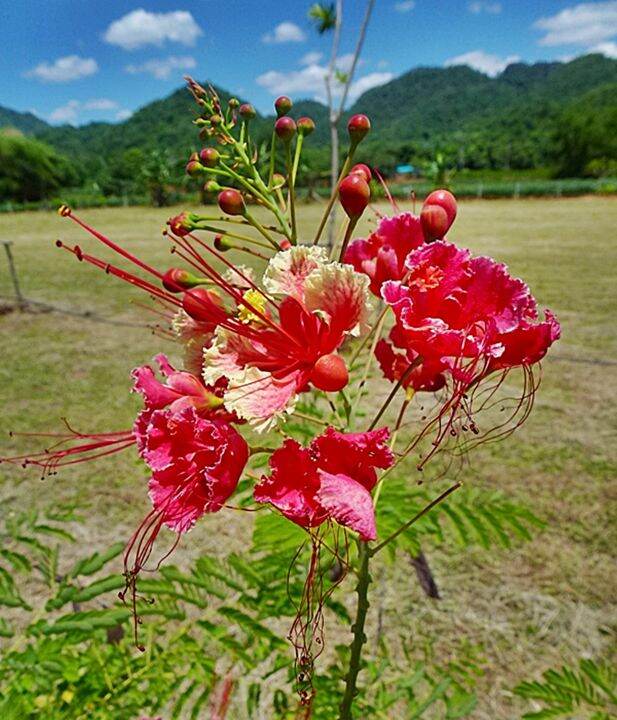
<point x="76" y="60"/>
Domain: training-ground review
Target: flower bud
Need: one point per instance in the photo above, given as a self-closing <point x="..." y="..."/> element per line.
<point x="176" y="280"/>
<point x="354" y="194"/>
<point x="278" y="181"/>
<point x="330" y="373"/>
<point x="233" y="103"/>
<point x="362" y="169"/>
<point x="209" y="157"/>
<point x="212" y="187"/>
<point x="193" y="168"/>
<point x="306" y="125"/>
<point x="285" y="128"/>
<point x="358" y="127"/>
<point x="285" y="244"/>
<point x="203" y="305"/>
<point x="231" y="202"/>
<point x="180" y="225"/>
<point x="282" y="105"/>
<point x="247" y="111"/>
<point x="446" y="200"/>
<point x="216" y="120"/>
<point x="435" y="223"/>
<point x="222" y="243"/>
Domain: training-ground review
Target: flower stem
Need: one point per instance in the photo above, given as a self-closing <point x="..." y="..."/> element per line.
<point x="333" y="196"/>
<point x="359" y="636"/>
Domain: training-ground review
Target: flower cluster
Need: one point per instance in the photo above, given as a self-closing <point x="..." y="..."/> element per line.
<point x="298" y="323"/>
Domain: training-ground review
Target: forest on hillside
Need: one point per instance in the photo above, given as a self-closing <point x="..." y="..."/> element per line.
<point x="533" y="121"/>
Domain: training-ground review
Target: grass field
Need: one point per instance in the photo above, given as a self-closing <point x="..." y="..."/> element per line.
<point x="537" y="605"/>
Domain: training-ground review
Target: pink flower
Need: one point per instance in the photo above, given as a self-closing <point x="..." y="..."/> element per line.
<point x="331" y="479"/>
<point x="466" y="315"/>
<point x="196" y="464"/>
<point x="382" y="255"/>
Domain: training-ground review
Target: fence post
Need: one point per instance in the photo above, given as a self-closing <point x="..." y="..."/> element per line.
<point x="21" y="300"/>
<point x="517" y="190"/>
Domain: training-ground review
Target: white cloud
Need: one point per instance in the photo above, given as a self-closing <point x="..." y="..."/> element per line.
<point x="486" y="63"/>
<point x="404" y="6"/>
<point x="162" y="68"/>
<point x="367" y="82"/>
<point x="310" y="81"/>
<point x="583" y="24"/>
<point x="311" y="58"/>
<point x="383" y="64"/>
<point x="140" y="27"/>
<point x="484" y="6"/>
<point x="64" y="69"/>
<point x="285" y="32"/>
<point x="123" y="114"/>
<point x="605" y="48"/>
<point x="71" y="111"/>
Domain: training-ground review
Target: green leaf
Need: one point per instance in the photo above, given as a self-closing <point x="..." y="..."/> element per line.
<point x="92" y="564"/>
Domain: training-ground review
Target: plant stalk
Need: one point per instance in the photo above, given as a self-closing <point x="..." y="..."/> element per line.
<point x="359" y="636"/>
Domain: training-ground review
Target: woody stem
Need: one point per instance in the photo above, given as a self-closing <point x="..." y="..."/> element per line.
<point x="359" y="636"/>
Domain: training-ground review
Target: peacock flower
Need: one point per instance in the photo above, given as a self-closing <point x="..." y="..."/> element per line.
<point x="382" y="255"/>
<point x="281" y="347"/>
<point x="332" y="479"/>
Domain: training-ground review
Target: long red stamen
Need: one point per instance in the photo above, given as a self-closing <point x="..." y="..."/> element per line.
<point x="67" y="212"/>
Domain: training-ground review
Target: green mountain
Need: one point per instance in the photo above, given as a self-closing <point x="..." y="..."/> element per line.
<point x="26" y="123"/>
<point x="476" y="121"/>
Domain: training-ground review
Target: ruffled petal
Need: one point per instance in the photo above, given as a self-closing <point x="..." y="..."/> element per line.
<point x="287" y="271"/>
<point x="341" y="294"/>
<point x="349" y="503"/>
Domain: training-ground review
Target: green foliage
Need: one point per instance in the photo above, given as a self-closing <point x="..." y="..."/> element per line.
<point x="589" y="692"/>
<point x="469" y="517"/>
<point x="323" y="15"/>
<point x="31" y="170"/>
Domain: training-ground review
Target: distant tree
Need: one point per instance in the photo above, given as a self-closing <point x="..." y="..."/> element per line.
<point x="31" y="170"/>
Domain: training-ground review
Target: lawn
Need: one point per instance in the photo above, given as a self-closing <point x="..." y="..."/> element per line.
<point x="520" y="611"/>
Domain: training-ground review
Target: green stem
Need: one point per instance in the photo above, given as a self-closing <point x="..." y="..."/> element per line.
<point x="272" y="156"/>
<point x="297" y="154"/>
<point x="411" y="367"/>
<point x="359" y="636"/>
<point x="292" y="199"/>
<point x="260" y="228"/>
<point x="324" y="218"/>
<point x="415" y="518"/>
<point x="351" y="226"/>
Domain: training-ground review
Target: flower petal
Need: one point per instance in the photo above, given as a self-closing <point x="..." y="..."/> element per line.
<point x="287" y="271"/>
<point x="349" y="503"/>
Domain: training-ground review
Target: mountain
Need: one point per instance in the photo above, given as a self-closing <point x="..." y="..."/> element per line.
<point x="26" y="123"/>
<point x="476" y="120"/>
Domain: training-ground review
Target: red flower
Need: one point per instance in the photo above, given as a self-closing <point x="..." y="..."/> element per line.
<point x="453" y="307"/>
<point x="271" y="350"/>
<point x="382" y="255"/>
<point x="331" y="479"/>
<point x="196" y="464"/>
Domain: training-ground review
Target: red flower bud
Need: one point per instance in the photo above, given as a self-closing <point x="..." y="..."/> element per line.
<point x="180" y="225"/>
<point x="435" y="223"/>
<point x="285" y="128"/>
<point x="193" y="168"/>
<point x="282" y="105"/>
<point x="446" y="200"/>
<point x="247" y="111"/>
<point x="176" y="280"/>
<point x="358" y="127"/>
<point x="221" y="243"/>
<point x="354" y="194"/>
<point x="209" y="157"/>
<point x="203" y="305"/>
<point x="231" y="202"/>
<point x="233" y="103"/>
<point x="284" y="244"/>
<point x="330" y="373"/>
<point x="363" y="170"/>
<point x="306" y="125"/>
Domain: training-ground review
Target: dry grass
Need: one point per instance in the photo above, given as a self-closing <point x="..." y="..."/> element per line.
<point x="540" y="604"/>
